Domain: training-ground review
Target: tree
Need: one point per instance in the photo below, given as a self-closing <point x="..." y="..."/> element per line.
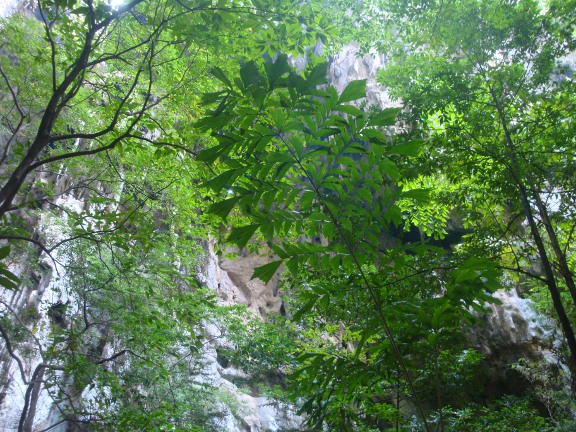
<point x="497" y="107"/>
<point x="316" y="180"/>
<point x="96" y="104"/>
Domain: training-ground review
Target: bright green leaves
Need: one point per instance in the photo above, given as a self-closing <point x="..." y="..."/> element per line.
<point x="297" y="165"/>
<point x="353" y="91"/>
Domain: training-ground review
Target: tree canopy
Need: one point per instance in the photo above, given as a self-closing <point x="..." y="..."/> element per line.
<point x="133" y="134"/>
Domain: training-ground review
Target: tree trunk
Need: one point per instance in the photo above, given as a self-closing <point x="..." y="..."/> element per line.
<point x="551" y="284"/>
<point x="563" y="268"/>
<point x="31" y="400"/>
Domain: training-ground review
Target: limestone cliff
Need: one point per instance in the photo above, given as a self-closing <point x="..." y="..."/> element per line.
<point x="511" y="331"/>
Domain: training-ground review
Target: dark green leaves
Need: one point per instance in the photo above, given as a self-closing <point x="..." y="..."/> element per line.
<point x="250" y="75"/>
<point x="241" y="235"/>
<point x="267" y="271"/>
<point x="277" y="71"/>
<point x="223" y="208"/>
<point x="4" y="251"/>
<point x="355" y="90"/>
<point x="386" y="117"/>
<point x="226" y="178"/>
<point x="318" y="75"/>
<point x="8" y="279"/>
<point x="221" y="76"/>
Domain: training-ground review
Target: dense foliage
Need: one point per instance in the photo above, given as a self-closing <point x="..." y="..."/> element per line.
<point x="133" y="134"/>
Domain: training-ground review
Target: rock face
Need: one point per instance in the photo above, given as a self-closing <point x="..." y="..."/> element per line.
<point x="348" y="65"/>
<point x="513" y="330"/>
<point x="229" y="278"/>
<point x="29" y="302"/>
<point x="8" y="7"/>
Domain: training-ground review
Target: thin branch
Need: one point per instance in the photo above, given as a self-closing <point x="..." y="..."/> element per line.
<point x="47" y="251"/>
<point x="52" y="45"/>
<point x="12" y="354"/>
<point x="115" y="356"/>
<point x="521" y="271"/>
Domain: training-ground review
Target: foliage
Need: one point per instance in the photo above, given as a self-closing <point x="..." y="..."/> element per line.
<point x="96" y="103"/>
<point x="549" y="383"/>
<point x="129" y="326"/>
<point x="507" y="414"/>
<point x="126" y="121"/>
<point x="298" y="162"/>
<point x="496" y="107"/>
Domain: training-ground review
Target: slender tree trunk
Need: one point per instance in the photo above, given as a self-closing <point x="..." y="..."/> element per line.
<point x="551" y="284"/>
<point x="553" y="289"/>
<point x="563" y="268"/>
<point x="438" y="385"/>
<point x="31" y="400"/>
<point x="62" y="94"/>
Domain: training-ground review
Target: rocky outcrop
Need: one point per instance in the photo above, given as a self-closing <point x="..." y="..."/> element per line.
<point x="231" y="278"/>
<point x="40" y="302"/>
<point x="349" y="65"/>
<point x="510" y="332"/>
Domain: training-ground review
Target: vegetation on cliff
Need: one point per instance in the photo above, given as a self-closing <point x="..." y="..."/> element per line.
<point x="172" y="122"/>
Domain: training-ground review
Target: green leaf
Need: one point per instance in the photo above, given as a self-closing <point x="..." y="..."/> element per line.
<point x="328" y="230"/>
<point x="278" y="250"/>
<point x="4" y="251"/>
<point x="7" y="283"/>
<point x="422" y="196"/>
<point x="250" y="74"/>
<point x="390" y="169"/>
<point x="375" y="136"/>
<point x="276" y="70"/>
<point x="355" y="90"/>
<point x="349" y="109"/>
<point x="223" y="208"/>
<point x="227" y="177"/>
<point x="292" y="265"/>
<point x="324" y="132"/>
<point x="7" y="273"/>
<point x="210" y="98"/>
<point x="220" y="75"/>
<point x="267" y="271"/>
<point x="411" y="148"/>
<point x="304" y="309"/>
<point x="318" y="75"/>
<point x="386" y="117"/>
<point x="241" y="235"/>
